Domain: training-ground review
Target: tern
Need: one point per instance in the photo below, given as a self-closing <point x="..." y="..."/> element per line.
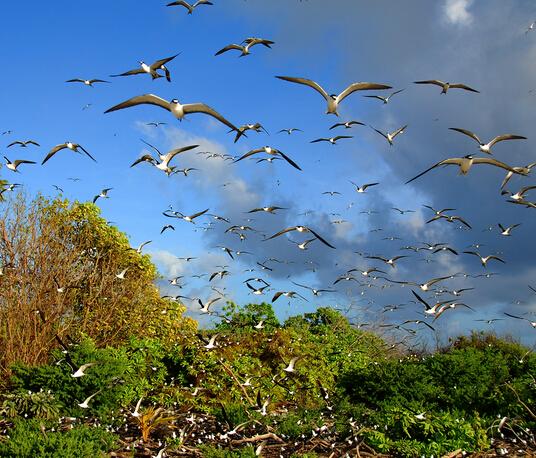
<point x="189" y="7"/>
<point x="272" y="152"/>
<point x="103" y="194"/>
<point x="80" y="371"/>
<point x="532" y="323"/>
<point x="334" y="100"/>
<point x="486" y="147"/>
<point x="301" y="229"/>
<point x="289" y="294"/>
<point x="290" y="130"/>
<point x="291" y="364"/>
<point x="246" y="45"/>
<point x="519" y="195"/>
<point x="86" y="82"/>
<point x="187" y="218"/>
<point x="385" y="100"/>
<point x="332" y="140"/>
<point x="174" y="107"/>
<point x="507" y="231"/>
<point x="509" y="175"/>
<point x="271" y="209"/>
<point x="390" y="137"/>
<point x="362" y="189"/>
<point x="140" y="246"/>
<point x="316" y="292"/>
<point x="450" y="219"/>
<point x="303" y="245"/>
<point x="388" y="261"/>
<point x="257" y="127"/>
<point x="484" y="259"/>
<point x="165" y="159"/>
<point x="205" y="307"/>
<point x="465" y="163"/>
<point x="423" y="286"/>
<point x="428" y="309"/>
<point x="446" y="86"/>
<point x="15" y="164"/>
<point x="121" y="275"/>
<point x="24" y="143"/>
<point x="211" y="343"/>
<point x="85" y="403"/>
<point x="347" y="124"/>
<point x="151" y="69"/>
<point x="75" y="147"/>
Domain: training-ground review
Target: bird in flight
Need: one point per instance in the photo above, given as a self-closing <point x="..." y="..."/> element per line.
<point x="272" y="152"/>
<point x="301" y="229"/>
<point x="174" y="107"/>
<point x="446" y="86"/>
<point x="486" y="147"/>
<point x="151" y="69"/>
<point x="189" y="7"/>
<point x="334" y="100"/>
<point x="13" y="166"/>
<point x="390" y="137"/>
<point x="23" y="144"/>
<point x="245" y="46"/>
<point x="385" y="100"/>
<point x="67" y="145"/>
<point x="332" y="140"/>
<point x="89" y="83"/>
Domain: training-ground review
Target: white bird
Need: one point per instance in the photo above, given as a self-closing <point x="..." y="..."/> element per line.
<point x="80" y="371"/>
<point x="121" y="275"/>
<point x="507" y="231"/>
<point x="103" y="194"/>
<point x="151" y="69"/>
<point x="136" y="412"/>
<point x="484" y="259"/>
<point x="385" y="100"/>
<point x="189" y="7"/>
<point x="211" y="343"/>
<point x="15" y="164"/>
<point x="486" y="147"/>
<point x="334" y="100"/>
<point x="85" y="404"/>
<point x="363" y="188"/>
<point x="246" y="45"/>
<point x="205" y="307"/>
<point x="291" y="364"/>
<point x="165" y="159"/>
<point x="86" y="82"/>
<point x="446" y="86"/>
<point x="174" y="107"/>
<point x="390" y="137"/>
<point x="75" y="147"/>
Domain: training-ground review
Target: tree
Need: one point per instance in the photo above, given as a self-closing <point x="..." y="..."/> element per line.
<point x="60" y="281"/>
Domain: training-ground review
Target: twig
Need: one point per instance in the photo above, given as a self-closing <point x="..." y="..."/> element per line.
<point x="532" y="414"/>
<point x="258" y="438"/>
<point x="231" y="373"/>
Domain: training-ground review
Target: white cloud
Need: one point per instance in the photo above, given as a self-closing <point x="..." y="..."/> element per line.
<point x="456" y="12"/>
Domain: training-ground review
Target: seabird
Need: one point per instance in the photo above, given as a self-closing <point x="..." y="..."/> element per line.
<point x="362" y="189"/>
<point x="24" y="143"/>
<point x="390" y="137"/>
<point x="272" y="152"/>
<point x="484" y="259"/>
<point x="332" y="140"/>
<point x="334" y="100"/>
<point x="385" y="100"/>
<point x="486" y="147"/>
<point x="86" y="82"/>
<point x="301" y="229"/>
<point x="189" y="7"/>
<point x="290" y="130"/>
<point x="67" y="145"/>
<point x="506" y="231"/>
<point x="446" y="86"/>
<point x="174" y="107"/>
<point x="15" y="164"/>
<point x="246" y="45"/>
<point x="347" y="124"/>
<point x="103" y="194"/>
<point x="151" y="69"/>
<point x="165" y="159"/>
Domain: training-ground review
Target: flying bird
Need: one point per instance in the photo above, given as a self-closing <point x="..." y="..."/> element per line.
<point x="86" y="82"/>
<point x="446" y="86"/>
<point x="272" y="152"/>
<point x="507" y="231"/>
<point x="334" y="100"/>
<point x="385" y="100"/>
<point x="246" y="45"/>
<point x="301" y="229"/>
<point x="189" y="7"/>
<point x="390" y="137"/>
<point x="75" y="147"/>
<point x="151" y="69"/>
<point x="24" y="143"/>
<point x="103" y="194"/>
<point x="332" y="140"/>
<point x="486" y="147"/>
<point x="347" y="124"/>
<point x="174" y="107"/>
<point x="13" y="166"/>
<point x="363" y="188"/>
<point x="484" y="259"/>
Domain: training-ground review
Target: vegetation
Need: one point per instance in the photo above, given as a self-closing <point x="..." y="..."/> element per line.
<point x="150" y="382"/>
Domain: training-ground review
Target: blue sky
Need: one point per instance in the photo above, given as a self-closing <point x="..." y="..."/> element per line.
<point x="482" y="44"/>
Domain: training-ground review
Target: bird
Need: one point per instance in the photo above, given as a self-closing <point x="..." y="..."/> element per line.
<point x="303" y="245"/>
<point x="103" y="194"/>
<point x="291" y="364"/>
<point x="391" y="136"/>
<point x="446" y="86"/>
<point x="290" y="130"/>
<point x="507" y="231"/>
<point x="257" y="291"/>
<point x="187" y="218"/>
<point x="272" y="152"/>
<point x="13" y="166"/>
<point x="165" y="159"/>
<point x="519" y="195"/>
<point x="140" y="246"/>
<point x="84" y="404"/>
<point x="211" y="343"/>
<point x="315" y="291"/>
<point x="156" y="124"/>
<point x="136" y="412"/>
<point x="450" y="219"/>
<point x="300" y="229"/>
<point x="75" y="147"/>
<point x="205" y="308"/>
<point x="347" y="124"/>
<point x="484" y="259"/>
<point x="80" y="371"/>
<point x="121" y="275"/>
<point x="486" y="147"/>
<point x="189" y="7"/>
<point x="509" y="175"/>
<point x="465" y="163"/>
<point x="388" y="261"/>
<point x="166" y="227"/>
<point x="423" y="286"/>
<point x="402" y="212"/>
<point x="246" y="45"/>
<point x="174" y="107"/>
<point x="332" y="140"/>
<point x="449" y="306"/>
<point x="334" y="100"/>
<point x="23" y="143"/>
<point x="151" y="69"/>
<point x="385" y="100"/>
<point x="269" y="209"/>
<point x="289" y="294"/>
<point x="257" y="127"/>
<point x="331" y="193"/>
<point x="86" y="82"/>
<point x="363" y="188"/>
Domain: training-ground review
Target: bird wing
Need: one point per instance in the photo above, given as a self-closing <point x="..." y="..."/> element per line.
<point x="360" y="87"/>
<point x="284" y="231"/>
<point x="229" y="48"/>
<point x="195" y="215"/>
<point x="321" y="238"/>
<point x="85" y="151"/>
<point x="309" y="83"/>
<point x="289" y="160"/>
<point x="144" y="158"/>
<point x="365" y="186"/>
<point x="495" y="162"/>
<point x="171" y="154"/>
<point x="75" y="80"/>
<point x="136" y="71"/>
<point x="468" y="133"/>
<point x="98" y="81"/>
<point x="338" y="137"/>
<point x="444" y="162"/>
<point x="54" y="151"/>
<point x="277" y="295"/>
<point x="165" y="60"/>
<point x="380" y="132"/>
<point x="320" y="140"/>
<point x="463" y="86"/>
<point x="421" y="300"/>
<point x="514" y="316"/>
<point x="436" y="82"/>
<point x="250" y="153"/>
<point x="202" y="108"/>
<point x="336" y="125"/>
<point x="150" y="99"/>
<point x="22" y="161"/>
<point x="500" y="138"/>
<point x="399" y="131"/>
<point x="379" y="97"/>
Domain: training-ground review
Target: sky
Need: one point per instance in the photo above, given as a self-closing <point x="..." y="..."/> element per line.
<point x="485" y="44"/>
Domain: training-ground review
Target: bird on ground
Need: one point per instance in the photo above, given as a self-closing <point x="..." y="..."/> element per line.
<point x="272" y="152"/>
<point x="334" y="100"/>
<point x="332" y="140"/>
<point x="80" y="372"/>
<point x="507" y="231"/>
<point x="363" y="188"/>
<point x="245" y="46"/>
<point x="484" y="259"/>
<point x="347" y="124"/>
<point x="103" y="194"/>
<point x="390" y="137"/>
<point x="151" y="69"/>
<point x="121" y="275"/>
<point x="13" y="166"/>
<point x="189" y="7"/>
<point x="136" y="412"/>
<point x="385" y="100"/>
<point x="75" y="147"/>
<point x="174" y="107"/>
<point x="86" y="82"/>
<point x="23" y="143"/>
<point x="446" y="86"/>
<point x="465" y="163"/>
<point x="486" y="147"/>
<point x="301" y="229"/>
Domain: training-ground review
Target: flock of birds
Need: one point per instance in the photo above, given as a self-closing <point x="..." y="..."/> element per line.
<point x="375" y="269"/>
